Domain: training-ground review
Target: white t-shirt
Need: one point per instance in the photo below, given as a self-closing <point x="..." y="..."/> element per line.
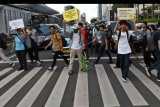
<point x="123" y="45"/>
<point x="75" y="44"/>
<point x="33" y="31"/>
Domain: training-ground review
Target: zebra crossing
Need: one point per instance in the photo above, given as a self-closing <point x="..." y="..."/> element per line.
<point x="26" y="88"/>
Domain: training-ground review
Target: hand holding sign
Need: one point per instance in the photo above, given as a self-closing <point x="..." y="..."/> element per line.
<point x="16" y="24"/>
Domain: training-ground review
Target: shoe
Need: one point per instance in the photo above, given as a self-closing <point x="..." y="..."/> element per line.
<point x="110" y="62"/>
<point x="21" y="68"/>
<point x="50" y="68"/>
<point x="70" y="72"/>
<point x="38" y="64"/>
<point x="117" y="67"/>
<point x="158" y="80"/>
<point x="124" y="79"/>
<point x="148" y="72"/>
<point x="12" y="65"/>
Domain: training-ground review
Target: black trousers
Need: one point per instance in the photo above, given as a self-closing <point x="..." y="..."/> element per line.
<point x="30" y="53"/>
<point x="35" y="51"/>
<point x="22" y="58"/>
<point x="118" y="61"/>
<point x="101" y="50"/>
<point x="124" y="63"/>
<point x="55" y="56"/>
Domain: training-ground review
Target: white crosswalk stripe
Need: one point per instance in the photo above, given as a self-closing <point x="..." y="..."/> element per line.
<point x="58" y="91"/>
<point x="28" y="100"/>
<point x="13" y="90"/>
<point x="133" y="94"/>
<point x="9" y="78"/>
<point x="146" y="81"/>
<point x="82" y="94"/>
<point x="5" y="71"/>
<point x="108" y="95"/>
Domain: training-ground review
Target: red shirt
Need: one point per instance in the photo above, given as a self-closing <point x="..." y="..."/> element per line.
<point x="84" y="34"/>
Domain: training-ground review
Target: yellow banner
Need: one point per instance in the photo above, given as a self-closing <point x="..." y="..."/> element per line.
<point x="70" y="15"/>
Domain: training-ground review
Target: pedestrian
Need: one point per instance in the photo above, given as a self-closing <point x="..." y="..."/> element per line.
<point x="3" y="45"/>
<point x="156" y="65"/>
<point x="124" y="49"/>
<point x="95" y="43"/>
<point x="103" y="45"/>
<point x="76" y="47"/>
<point x="84" y="33"/>
<point x="145" y="33"/>
<point x="34" y="41"/>
<point x="57" y="46"/>
<point x="20" y="47"/>
<point x="89" y="36"/>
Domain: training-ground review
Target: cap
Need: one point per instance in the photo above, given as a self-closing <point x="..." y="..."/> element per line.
<point x="75" y="26"/>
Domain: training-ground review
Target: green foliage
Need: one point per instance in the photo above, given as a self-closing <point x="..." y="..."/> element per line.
<point x="149" y="20"/>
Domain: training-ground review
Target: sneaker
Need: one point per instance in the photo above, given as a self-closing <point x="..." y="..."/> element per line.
<point x="148" y="72"/>
<point x="12" y="65"/>
<point x="21" y="68"/>
<point x="70" y="72"/>
<point x="124" y="79"/>
<point x="50" y="68"/>
<point x="158" y="80"/>
<point x="38" y="64"/>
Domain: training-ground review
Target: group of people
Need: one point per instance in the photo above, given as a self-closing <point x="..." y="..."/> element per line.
<point x="26" y="41"/>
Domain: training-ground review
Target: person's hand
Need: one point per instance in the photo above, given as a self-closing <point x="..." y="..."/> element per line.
<point x="118" y="20"/>
<point x="46" y="48"/>
<point x="134" y="20"/>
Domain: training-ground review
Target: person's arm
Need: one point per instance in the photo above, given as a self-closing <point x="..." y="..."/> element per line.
<point x="36" y="35"/>
<point x="159" y="45"/>
<point x="50" y="43"/>
<point x="148" y="36"/>
<point x="135" y="27"/>
<point x="60" y="39"/>
<point x="9" y="32"/>
<point x="115" y="28"/>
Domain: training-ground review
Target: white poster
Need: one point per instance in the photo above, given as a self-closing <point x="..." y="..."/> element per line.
<point x="126" y="13"/>
<point x="15" y="24"/>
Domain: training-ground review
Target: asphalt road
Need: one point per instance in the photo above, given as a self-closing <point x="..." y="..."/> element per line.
<point x="101" y="86"/>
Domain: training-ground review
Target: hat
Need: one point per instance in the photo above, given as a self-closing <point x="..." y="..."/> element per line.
<point x="75" y="26"/>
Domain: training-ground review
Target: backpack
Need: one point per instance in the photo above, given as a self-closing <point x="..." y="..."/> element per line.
<point x="64" y="42"/>
<point x="4" y="43"/>
<point x="119" y="35"/>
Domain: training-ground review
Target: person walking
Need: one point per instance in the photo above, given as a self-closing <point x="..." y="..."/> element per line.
<point x="2" y="54"/>
<point x="124" y="49"/>
<point x="145" y="37"/>
<point x="57" y="47"/>
<point x="84" y="34"/>
<point x="20" y="47"/>
<point x="34" y="41"/>
<point x="103" y="45"/>
<point x="76" y="47"/>
<point x="156" y="65"/>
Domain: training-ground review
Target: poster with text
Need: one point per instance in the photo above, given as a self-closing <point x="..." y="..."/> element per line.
<point x="16" y="24"/>
<point x="70" y="15"/>
<point x="126" y="13"/>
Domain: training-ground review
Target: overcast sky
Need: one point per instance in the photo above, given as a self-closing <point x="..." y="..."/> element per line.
<point x="89" y="9"/>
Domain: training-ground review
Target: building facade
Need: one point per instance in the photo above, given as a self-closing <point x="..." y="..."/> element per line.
<point x="99" y="12"/>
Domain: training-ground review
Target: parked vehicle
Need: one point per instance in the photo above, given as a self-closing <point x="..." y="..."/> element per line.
<point x="137" y="40"/>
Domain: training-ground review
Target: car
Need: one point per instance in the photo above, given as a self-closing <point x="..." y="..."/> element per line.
<point x="137" y="40"/>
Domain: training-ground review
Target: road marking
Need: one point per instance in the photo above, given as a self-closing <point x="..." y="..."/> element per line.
<point x="56" y="95"/>
<point x="48" y="60"/>
<point x="81" y="98"/>
<point x="135" y="97"/>
<point x="31" y="96"/>
<point x="146" y="81"/>
<point x="154" y="72"/>
<point x="108" y="95"/>
<point x="5" y="71"/>
<point x="14" y="89"/>
<point x="9" y="78"/>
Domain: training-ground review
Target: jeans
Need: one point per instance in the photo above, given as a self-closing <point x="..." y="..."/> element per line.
<point x="72" y="56"/>
<point x="22" y="58"/>
<point x="55" y="56"/>
<point x="102" y="49"/>
<point x="124" y="64"/>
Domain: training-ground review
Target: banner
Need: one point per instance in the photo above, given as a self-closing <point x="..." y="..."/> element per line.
<point x="70" y="15"/>
<point x="126" y="13"/>
<point x="15" y="24"/>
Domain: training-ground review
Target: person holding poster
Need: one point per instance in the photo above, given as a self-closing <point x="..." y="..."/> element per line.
<point x="20" y="47"/>
<point x="124" y="49"/>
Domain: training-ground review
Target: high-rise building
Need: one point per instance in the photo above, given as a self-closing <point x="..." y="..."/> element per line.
<point x="83" y="17"/>
<point x="99" y="12"/>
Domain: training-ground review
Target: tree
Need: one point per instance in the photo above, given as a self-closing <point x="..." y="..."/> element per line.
<point x="93" y="20"/>
<point x="115" y="6"/>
